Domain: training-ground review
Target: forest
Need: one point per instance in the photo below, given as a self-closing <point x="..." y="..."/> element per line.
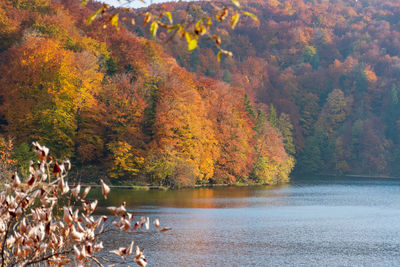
<point x="331" y="67"/>
<point x="119" y="106"/>
<point x="315" y="90"/>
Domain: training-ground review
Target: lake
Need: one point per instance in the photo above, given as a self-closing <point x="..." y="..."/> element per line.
<point x="310" y="222"/>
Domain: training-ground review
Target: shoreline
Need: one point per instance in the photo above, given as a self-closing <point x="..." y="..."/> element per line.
<point x="358" y="176"/>
<point x="159" y="187"/>
<point x="156" y="187"/>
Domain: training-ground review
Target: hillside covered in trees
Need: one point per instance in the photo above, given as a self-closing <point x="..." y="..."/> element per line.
<point x="332" y="65"/>
<point x="119" y="106"/>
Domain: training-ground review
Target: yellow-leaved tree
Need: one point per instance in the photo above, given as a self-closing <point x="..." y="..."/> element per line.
<point x="44" y="87"/>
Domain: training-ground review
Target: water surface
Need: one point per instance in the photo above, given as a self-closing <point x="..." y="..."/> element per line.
<point x="311" y="222"/>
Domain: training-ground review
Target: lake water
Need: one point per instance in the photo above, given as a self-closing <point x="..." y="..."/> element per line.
<point x="311" y="222"/>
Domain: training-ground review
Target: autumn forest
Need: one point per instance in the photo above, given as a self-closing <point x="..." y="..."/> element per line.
<point x="311" y="87"/>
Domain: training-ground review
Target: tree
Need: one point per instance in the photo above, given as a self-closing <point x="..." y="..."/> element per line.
<point x="310" y="55"/>
<point x="286" y="128"/>
<point x="392" y="115"/>
<point x="272" y="116"/>
<point x="6" y="160"/>
<point x="273" y="164"/>
<point x="183" y="135"/>
<point x="139" y="31"/>
<point x="123" y="115"/>
<point x="310" y="160"/>
<point x="309" y="110"/>
<point x="249" y="107"/>
<point x="341" y="165"/>
<point x="233" y="130"/>
<point x="51" y="88"/>
<point x="333" y="112"/>
<point x="8" y="30"/>
<point x="226" y="76"/>
<point x="21" y="155"/>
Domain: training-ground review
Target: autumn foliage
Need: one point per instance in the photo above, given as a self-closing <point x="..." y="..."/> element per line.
<point x="118" y="103"/>
<point x="332" y="66"/>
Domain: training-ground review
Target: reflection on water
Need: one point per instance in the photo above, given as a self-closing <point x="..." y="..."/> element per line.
<point x="204" y="198"/>
<point x="328" y="222"/>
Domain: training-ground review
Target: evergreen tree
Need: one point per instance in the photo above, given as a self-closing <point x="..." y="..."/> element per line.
<point x="272" y="116"/>
<point x="249" y="107"/>
<point x="286" y="128"/>
<point x="260" y="121"/>
<point x="194" y="60"/>
<point x="139" y="31"/>
<point x="226" y="76"/>
<point x="310" y="161"/>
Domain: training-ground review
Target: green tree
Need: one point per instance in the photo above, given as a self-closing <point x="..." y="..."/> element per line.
<point x="248" y="106"/>
<point x="22" y="154"/>
<point x="341" y="157"/>
<point x="361" y="79"/>
<point x="310" y="55"/>
<point x="310" y="160"/>
<point x="309" y="111"/>
<point x="272" y="116"/>
<point x="179" y="60"/>
<point x="226" y="76"/>
<point x="259" y="121"/>
<point x="139" y="31"/>
<point x="194" y="61"/>
<point x="333" y="113"/>
<point x="356" y="134"/>
<point x="392" y="115"/>
<point x="286" y="128"/>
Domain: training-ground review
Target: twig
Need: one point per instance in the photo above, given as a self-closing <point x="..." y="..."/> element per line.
<point x="3" y="245"/>
<point x="47" y="257"/>
<point x="96" y="261"/>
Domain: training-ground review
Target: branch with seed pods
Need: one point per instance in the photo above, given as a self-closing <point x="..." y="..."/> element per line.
<point x="200" y="20"/>
<point x="36" y="226"/>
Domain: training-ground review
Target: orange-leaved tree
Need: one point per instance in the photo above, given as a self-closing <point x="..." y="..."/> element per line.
<point x="44" y="87"/>
<point x="184" y="146"/>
